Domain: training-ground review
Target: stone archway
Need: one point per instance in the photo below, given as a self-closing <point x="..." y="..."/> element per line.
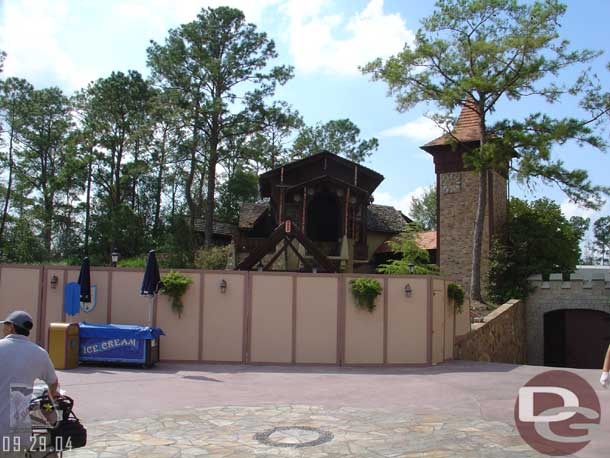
<point x="576" y="338"/>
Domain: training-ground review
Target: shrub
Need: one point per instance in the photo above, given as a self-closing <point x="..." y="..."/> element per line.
<point x="456" y="294"/>
<point x="174" y="285"/>
<point x="213" y="258"/>
<point x="365" y="290"/>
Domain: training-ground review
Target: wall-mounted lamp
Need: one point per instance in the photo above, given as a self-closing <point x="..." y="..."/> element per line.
<point x="297" y="197"/>
<point x="340" y="192"/>
<point x="353" y="200"/>
<point x="223" y="286"/>
<point x="115" y="257"/>
<point x="311" y="191"/>
<point x="408" y="290"/>
<point x="54" y="281"/>
<point x="411" y="267"/>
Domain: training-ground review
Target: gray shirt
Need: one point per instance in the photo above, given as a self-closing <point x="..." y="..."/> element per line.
<point x="21" y="363"/>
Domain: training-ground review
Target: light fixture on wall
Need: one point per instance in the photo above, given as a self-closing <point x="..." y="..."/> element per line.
<point x="353" y="200"/>
<point x="223" y="286"/>
<point x="408" y="290"/>
<point x="411" y="267"/>
<point x="54" y="281"/>
<point x="311" y="191"/>
<point x="115" y="257"/>
<point x="296" y="197"/>
<point x="340" y="192"/>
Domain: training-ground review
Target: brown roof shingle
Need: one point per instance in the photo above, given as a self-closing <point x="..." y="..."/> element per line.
<point x="385" y="218"/>
<point x="218" y="228"/>
<point x="250" y="212"/>
<point x="424" y="240"/>
<point x="467" y="128"/>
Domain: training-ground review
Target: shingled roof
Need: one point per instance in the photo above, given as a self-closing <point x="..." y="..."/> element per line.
<point x="381" y="218"/>
<point x="467" y="128"/>
<point x="249" y="213"/>
<point x="424" y="240"/>
<point x="385" y="218"/>
<point x="218" y="228"/>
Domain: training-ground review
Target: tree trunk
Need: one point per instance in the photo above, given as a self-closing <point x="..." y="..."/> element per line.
<point x="477" y="239"/>
<point x="157" y="221"/>
<point x="88" y="206"/>
<point x="188" y="185"/>
<point x="477" y="236"/>
<point x="9" y="186"/>
<point x="134" y="184"/>
<point x="209" y="207"/>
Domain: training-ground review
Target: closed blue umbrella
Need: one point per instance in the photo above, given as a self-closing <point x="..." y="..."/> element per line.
<point x="152" y="279"/>
<point x="84" y="281"/>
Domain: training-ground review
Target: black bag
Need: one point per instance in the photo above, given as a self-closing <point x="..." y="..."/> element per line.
<point x="69" y="432"/>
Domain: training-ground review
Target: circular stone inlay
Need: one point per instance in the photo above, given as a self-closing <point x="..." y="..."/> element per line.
<point x="294" y="436"/>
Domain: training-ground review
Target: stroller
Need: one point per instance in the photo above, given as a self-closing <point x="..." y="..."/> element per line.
<point x="55" y="427"/>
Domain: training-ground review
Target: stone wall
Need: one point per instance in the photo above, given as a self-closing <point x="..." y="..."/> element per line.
<point x="501" y="338"/>
<point x="587" y="290"/>
<point x="457" y="211"/>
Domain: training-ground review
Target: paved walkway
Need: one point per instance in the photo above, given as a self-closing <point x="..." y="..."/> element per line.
<point x="457" y="409"/>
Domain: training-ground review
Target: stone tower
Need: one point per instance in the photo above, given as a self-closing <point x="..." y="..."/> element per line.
<point x="456" y="199"/>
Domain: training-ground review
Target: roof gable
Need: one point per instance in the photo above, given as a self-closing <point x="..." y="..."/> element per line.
<point x="385" y="218"/>
<point x="250" y="213"/>
<point x="316" y="166"/>
<point x="467" y="128"/>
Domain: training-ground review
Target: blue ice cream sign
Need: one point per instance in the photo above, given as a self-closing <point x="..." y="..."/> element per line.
<point x="128" y="350"/>
<point x="115" y="343"/>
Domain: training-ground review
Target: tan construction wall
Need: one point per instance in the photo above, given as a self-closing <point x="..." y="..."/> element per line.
<point x="181" y="341"/>
<point x="272" y="304"/>
<point x="19" y="290"/>
<point x="407" y="321"/>
<point x="261" y="317"/>
<point x="364" y="331"/>
<point x="223" y="317"/>
<point x="317" y="306"/>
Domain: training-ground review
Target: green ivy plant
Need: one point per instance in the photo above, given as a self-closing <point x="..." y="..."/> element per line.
<point x="365" y="290"/>
<point x="456" y="293"/>
<point x="175" y="285"/>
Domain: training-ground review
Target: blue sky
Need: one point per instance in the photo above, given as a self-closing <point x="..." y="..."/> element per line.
<point x="69" y="43"/>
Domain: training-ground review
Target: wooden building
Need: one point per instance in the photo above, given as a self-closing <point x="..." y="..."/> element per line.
<point x="332" y="223"/>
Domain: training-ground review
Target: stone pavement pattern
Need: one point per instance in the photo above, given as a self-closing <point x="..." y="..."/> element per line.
<point x="356" y="432"/>
<point x="455" y="409"/>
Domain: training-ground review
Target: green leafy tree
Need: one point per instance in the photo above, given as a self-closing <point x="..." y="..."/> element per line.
<point x="423" y="209"/>
<point x="581" y="225"/>
<point x="480" y="52"/>
<point x="218" y="65"/>
<point x="115" y="113"/>
<point x="14" y="93"/>
<point x="341" y="137"/>
<point x="241" y="187"/>
<point x="40" y="163"/>
<point x="601" y="231"/>
<point x="410" y="255"/>
<point x="540" y="240"/>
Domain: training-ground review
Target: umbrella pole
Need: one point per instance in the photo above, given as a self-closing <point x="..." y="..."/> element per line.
<point x="151" y="308"/>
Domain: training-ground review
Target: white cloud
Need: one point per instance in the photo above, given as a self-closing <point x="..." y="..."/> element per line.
<point x="165" y="14"/>
<point x="29" y="33"/>
<point x="334" y="44"/>
<point x="569" y="209"/>
<point x="421" y="129"/>
<point x="32" y="32"/>
<point x="402" y="203"/>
